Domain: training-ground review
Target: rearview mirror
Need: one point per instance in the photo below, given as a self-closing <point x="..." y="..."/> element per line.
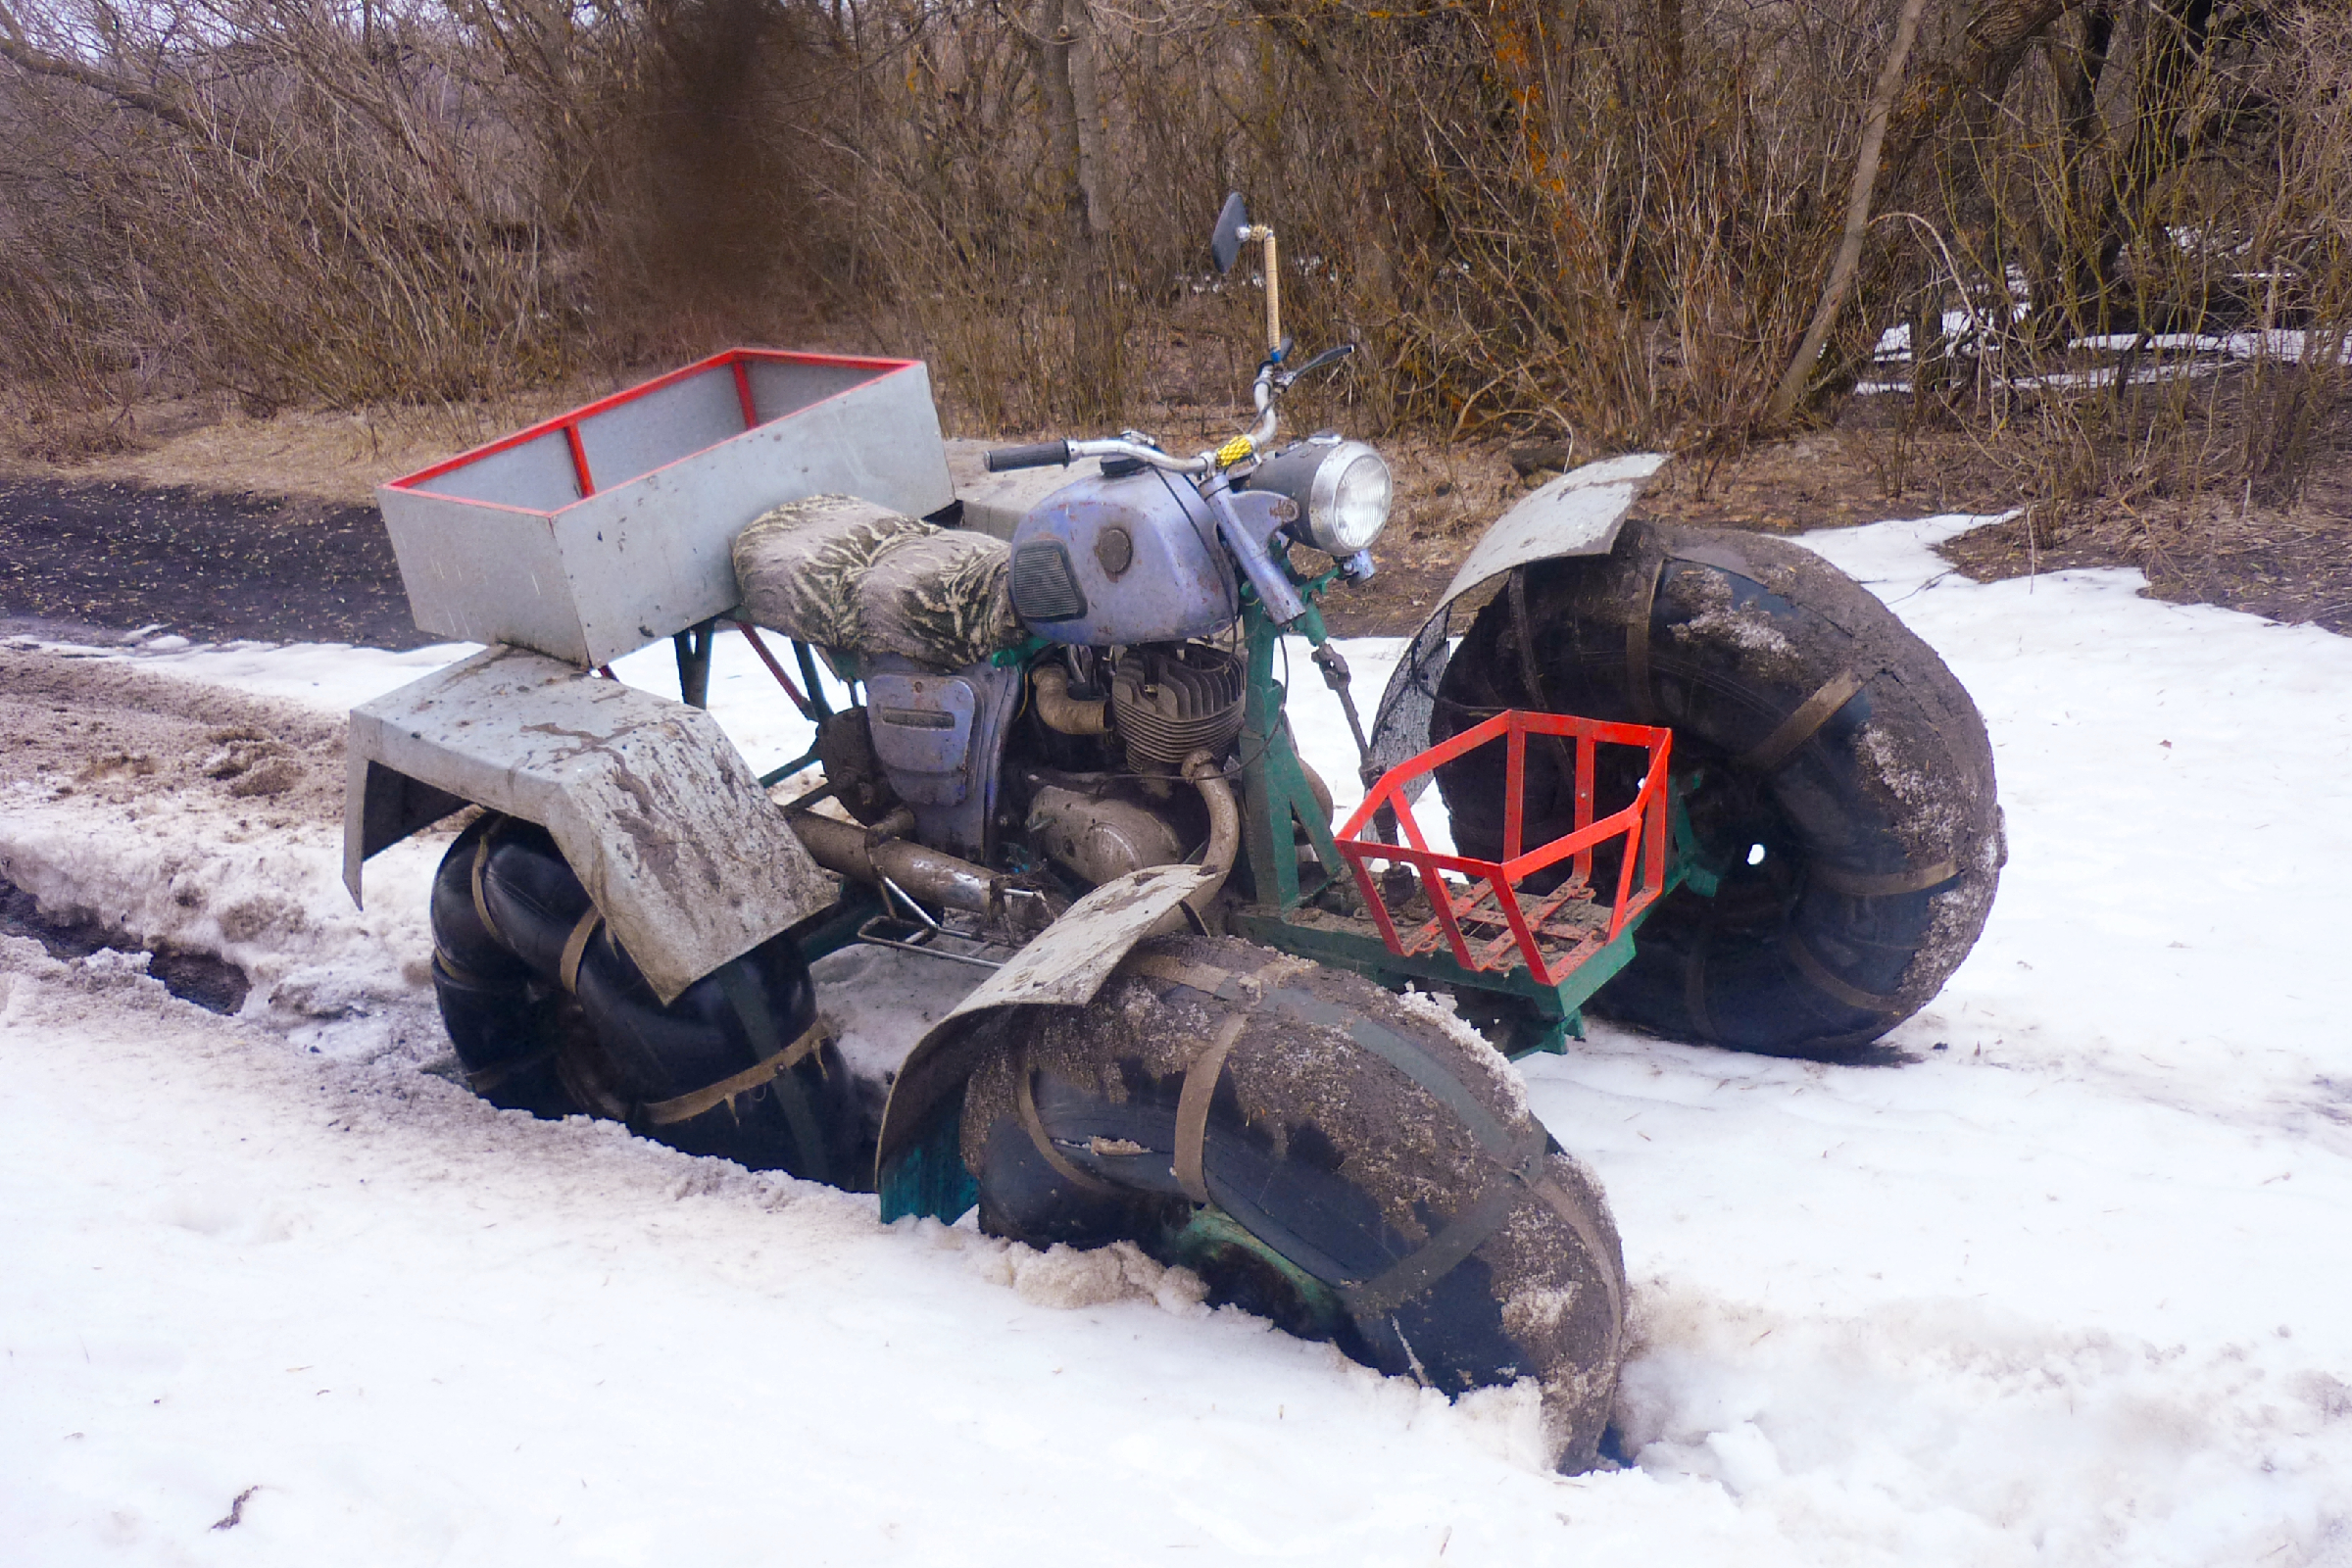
<point x="1225" y="240"/>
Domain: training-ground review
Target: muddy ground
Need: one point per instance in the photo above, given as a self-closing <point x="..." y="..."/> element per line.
<point x="212" y="525"/>
<point x="96" y="727"/>
<point x="113" y="557"/>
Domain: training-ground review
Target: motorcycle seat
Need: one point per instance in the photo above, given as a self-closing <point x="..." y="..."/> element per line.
<point x="844" y="573"/>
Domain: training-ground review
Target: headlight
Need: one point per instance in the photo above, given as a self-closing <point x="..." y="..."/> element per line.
<point x="1348" y="505"/>
<point x="1342" y="488"/>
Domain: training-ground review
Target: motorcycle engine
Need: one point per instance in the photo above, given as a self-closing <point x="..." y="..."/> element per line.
<point x="1171" y="699"/>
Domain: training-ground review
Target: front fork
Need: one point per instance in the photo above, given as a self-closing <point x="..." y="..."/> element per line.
<point x="1276" y="800"/>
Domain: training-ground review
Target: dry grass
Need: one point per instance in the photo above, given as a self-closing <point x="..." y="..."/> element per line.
<point x="211" y="443"/>
<point x="2290" y="563"/>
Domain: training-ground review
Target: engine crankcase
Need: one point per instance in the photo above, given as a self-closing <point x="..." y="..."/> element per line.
<point x="1102" y="837"/>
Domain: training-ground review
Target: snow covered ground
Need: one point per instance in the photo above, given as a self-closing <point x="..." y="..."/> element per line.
<point x="2064" y="1287"/>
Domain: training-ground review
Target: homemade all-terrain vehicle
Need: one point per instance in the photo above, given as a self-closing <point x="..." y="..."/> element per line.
<point x="1699" y="781"/>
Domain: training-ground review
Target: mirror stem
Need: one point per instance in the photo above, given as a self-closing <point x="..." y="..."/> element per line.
<point x="1266" y="233"/>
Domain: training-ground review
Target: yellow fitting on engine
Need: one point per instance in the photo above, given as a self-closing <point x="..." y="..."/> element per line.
<point x="1233" y="451"/>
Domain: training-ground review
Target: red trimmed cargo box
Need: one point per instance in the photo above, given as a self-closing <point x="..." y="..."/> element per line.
<point x="589" y="535"/>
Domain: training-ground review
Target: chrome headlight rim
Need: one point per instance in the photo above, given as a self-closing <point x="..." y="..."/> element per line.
<point x="1344" y="511"/>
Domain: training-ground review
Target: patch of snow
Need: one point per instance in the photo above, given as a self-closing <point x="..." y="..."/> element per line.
<point x="2064" y="1287"/>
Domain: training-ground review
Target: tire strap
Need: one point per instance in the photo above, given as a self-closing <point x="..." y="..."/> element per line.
<point x="1407" y="1057"/>
<point x="1523" y="638"/>
<point x="1525" y="1162"/>
<point x="1476" y="1224"/>
<point x="1636" y="651"/>
<point x="575" y="948"/>
<point x="1864" y="885"/>
<point x="1435" y="1257"/>
<point x="458" y="971"/>
<point x="1222" y="983"/>
<point x="684" y="1107"/>
<point x="1035" y="1125"/>
<point x="1809" y="965"/>
<point x="1695" y="985"/>
<point x="481" y="906"/>
<point x="1719" y="555"/>
<point x="1200" y="1081"/>
<point x="1798" y="727"/>
<point x="1560" y="1204"/>
<point x="758" y="1022"/>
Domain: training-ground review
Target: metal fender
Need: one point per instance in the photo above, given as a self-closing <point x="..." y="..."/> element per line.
<point x="1064" y="966"/>
<point x="687" y="860"/>
<point x="1577" y="514"/>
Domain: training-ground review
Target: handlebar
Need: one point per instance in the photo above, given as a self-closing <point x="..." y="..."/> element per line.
<point x="1044" y="455"/>
<point x="1061" y="453"/>
<point x="1271" y="379"/>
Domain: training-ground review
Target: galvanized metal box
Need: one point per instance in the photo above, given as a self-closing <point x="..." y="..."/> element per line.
<point x="591" y="534"/>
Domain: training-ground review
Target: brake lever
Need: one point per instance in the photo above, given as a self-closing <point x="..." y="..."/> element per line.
<point x="1284" y="379"/>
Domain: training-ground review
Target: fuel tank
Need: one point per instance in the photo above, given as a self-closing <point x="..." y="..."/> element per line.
<point x="1108" y="561"/>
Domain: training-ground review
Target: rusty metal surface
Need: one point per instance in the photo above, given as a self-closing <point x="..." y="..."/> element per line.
<point x="1577" y="514"/>
<point x="506" y="548"/>
<point x="1071" y="958"/>
<point x="670" y="831"/>
<point x="918" y="869"/>
<point x="1064" y="966"/>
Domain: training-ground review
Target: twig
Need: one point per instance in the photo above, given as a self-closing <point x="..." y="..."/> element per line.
<point x="236" y="1510"/>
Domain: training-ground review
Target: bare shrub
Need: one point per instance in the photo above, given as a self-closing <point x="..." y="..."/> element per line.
<point x="1600" y="222"/>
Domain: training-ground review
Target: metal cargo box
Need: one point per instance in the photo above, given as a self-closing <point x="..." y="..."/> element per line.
<point x="595" y="532"/>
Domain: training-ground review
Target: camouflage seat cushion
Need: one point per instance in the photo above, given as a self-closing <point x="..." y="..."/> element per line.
<point x="846" y="574"/>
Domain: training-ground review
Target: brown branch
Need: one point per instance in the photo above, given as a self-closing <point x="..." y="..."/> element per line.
<point x="1996" y="37"/>
<point x="1857" y="217"/>
<point x="35" y="62"/>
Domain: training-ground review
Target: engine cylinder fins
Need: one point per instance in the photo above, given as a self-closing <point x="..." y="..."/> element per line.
<point x="1171" y="699"/>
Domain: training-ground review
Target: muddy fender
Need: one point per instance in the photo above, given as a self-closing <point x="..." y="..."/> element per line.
<point x="683" y="854"/>
<point x="1579" y="513"/>
<point x="916" y="1169"/>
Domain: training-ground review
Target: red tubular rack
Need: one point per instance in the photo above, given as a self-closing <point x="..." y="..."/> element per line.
<point x="1535" y="934"/>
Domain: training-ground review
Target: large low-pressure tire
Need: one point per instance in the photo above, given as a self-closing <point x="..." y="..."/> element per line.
<point x="1837" y="778"/>
<point x="1322" y="1155"/>
<point x="550" y="1014"/>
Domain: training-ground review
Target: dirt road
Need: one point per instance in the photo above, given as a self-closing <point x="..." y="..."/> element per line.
<point x="110" y="557"/>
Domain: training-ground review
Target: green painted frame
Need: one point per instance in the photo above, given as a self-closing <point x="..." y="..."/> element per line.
<point x="1276" y="801"/>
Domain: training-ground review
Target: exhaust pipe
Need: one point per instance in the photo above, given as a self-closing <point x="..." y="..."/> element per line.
<point x="924" y="873"/>
<point x="1069" y="714"/>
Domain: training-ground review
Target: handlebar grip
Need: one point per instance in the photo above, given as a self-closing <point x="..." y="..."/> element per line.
<point x="1044" y="455"/>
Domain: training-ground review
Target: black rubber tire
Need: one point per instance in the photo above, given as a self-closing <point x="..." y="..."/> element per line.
<point x="1343" y="1134"/>
<point x="614" y="1048"/>
<point x="1879" y="828"/>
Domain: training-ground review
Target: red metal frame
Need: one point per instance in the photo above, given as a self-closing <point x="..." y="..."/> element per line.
<point x="750" y="634"/>
<point x="1549" y="949"/>
<point x="568" y="422"/>
<point x="579" y="460"/>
